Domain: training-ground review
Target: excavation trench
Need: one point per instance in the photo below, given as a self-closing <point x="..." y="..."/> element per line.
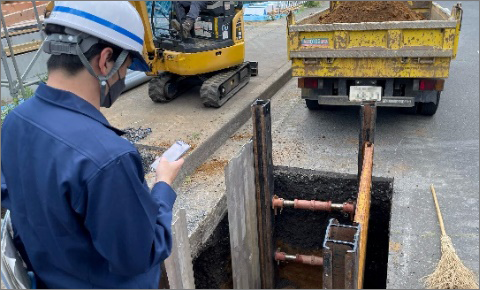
<point x="303" y="231"/>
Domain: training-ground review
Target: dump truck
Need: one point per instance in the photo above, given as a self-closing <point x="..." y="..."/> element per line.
<point x="393" y="63"/>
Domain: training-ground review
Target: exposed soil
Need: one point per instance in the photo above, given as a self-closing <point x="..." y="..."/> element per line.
<point x="241" y="136"/>
<point x="211" y="167"/>
<point x="213" y="267"/>
<point x="303" y="232"/>
<point x="370" y="11"/>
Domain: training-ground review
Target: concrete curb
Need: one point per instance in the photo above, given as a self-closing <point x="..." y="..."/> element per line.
<point x="215" y="141"/>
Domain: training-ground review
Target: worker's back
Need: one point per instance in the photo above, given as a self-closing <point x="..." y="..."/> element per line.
<point x="57" y="146"/>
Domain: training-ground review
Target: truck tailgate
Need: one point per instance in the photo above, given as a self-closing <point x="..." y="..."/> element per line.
<point x="394" y="49"/>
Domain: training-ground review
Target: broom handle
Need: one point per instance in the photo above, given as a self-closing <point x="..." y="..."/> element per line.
<point x="439" y="213"/>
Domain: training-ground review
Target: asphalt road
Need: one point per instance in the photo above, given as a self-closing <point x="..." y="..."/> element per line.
<point x="414" y="150"/>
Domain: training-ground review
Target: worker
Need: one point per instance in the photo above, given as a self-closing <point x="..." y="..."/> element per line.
<point x="185" y="21"/>
<point x="82" y="213"/>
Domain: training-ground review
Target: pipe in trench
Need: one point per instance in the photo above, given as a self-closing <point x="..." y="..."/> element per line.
<point x="301" y="259"/>
<point x="314" y="205"/>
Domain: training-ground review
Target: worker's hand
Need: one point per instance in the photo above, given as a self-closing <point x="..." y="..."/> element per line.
<point x="167" y="171"/>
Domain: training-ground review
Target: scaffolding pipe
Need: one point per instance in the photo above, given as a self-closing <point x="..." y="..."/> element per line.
<point x="39" y="25"/>
<point x="11" y="84"/>
<point x="30" y="65"/>
<point x="12" y="55"/>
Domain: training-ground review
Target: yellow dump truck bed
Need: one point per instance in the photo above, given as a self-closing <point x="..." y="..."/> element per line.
<point x="392" y="49"/>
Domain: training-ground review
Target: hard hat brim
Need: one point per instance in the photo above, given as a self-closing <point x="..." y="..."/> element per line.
<point x="138" y="62"/>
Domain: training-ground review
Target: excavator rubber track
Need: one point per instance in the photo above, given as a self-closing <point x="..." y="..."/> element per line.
<point x="159" y="88"/>
<point x="167" y="86"/>
<point x="223" y="85"/>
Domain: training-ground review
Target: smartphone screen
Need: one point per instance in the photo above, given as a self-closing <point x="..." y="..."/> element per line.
<point x="175" y="152"/>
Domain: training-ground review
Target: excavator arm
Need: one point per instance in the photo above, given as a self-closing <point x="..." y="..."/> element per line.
<point x="149" y="50"/>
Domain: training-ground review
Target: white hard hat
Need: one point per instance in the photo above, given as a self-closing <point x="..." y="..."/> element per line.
<point x="116" y="22"/>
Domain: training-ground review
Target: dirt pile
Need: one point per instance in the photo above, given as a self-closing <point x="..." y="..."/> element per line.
<point x="370" y="11"/>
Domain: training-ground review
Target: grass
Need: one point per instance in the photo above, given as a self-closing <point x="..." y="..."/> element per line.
<point x="312" y="4"/>
<point x="196" y="136"/>
<point x="8" y="107"/>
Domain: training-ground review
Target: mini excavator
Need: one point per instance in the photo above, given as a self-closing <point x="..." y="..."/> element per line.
<point x="213" y="57"/>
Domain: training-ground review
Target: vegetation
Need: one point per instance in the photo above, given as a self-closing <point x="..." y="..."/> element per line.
<point x="312" y="4"/>
<point x="7" y="108"/>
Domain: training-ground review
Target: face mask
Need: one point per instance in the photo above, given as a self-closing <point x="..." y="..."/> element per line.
<point x="114" y="92"/>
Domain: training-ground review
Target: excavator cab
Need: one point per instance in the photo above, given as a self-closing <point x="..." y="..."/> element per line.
<point x="213" y="57"/>
<point x="212" y="30"/>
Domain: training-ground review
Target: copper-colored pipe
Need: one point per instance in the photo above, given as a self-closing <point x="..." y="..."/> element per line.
<point x="302" y="259"/>
<point x="314" y="205"/>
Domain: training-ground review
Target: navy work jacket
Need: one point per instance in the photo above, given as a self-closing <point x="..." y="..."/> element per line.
<point x="80" y="207"/>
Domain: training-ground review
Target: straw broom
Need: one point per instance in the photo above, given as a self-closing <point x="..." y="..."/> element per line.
<point x="450" y="272"/>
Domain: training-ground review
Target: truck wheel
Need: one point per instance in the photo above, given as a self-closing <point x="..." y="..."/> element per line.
<point x="312" y="104"/>
<point x="429" y="109"/>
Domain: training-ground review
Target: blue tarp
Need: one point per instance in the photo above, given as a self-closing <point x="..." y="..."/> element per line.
<point x="160" y="16"/>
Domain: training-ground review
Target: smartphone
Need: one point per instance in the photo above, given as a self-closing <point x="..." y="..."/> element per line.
<point x="175" y="152"/>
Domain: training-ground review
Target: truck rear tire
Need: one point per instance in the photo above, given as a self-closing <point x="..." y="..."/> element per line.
<point x="312" y="105"/>
<point x="428" y="109"/>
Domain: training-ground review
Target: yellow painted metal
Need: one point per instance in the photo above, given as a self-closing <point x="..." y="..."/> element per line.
<point x="443" y="40"/>
<point x="188" y="64"/>
<point x="393" y="39"/>
<point x="238" y="18"/>
<point x="457" y="13"/>
<point x="372" y="67"/>
<point x="373" y="38"/>
<point x="215" y="26"/>
<point x="20" y="32"/>
<point x="362" y="211"/>
<point x="24" y="47"/>
<point x="428" y="38"/>
<point x="149" y="50"/>
<point x="49" y="9"/>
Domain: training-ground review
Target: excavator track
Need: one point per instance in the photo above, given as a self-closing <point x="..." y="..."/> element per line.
<point x="162" y="89"/>
<point x="219" y="88"/>
<point x="167" y="86"/>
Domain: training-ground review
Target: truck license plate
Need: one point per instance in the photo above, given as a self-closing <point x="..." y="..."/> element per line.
<point x="365" y="93"/>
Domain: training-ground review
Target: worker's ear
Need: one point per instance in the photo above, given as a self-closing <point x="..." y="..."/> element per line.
<point x="105" y="62"/>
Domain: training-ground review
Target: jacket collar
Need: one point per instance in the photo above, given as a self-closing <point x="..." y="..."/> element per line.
<point x="74" y="103"/>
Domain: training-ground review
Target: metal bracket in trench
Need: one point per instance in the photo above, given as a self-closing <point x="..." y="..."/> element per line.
<point x="340" y="256"/>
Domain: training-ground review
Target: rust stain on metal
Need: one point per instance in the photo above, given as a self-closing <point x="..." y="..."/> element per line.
<point x="262" y="140"/>
<point x="298" y="258"/>
<point x="362" y="212"/>
<point x="313" y="205"/>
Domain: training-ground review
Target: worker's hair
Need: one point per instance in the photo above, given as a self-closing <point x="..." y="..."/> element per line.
<point x="71" y="64"/>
